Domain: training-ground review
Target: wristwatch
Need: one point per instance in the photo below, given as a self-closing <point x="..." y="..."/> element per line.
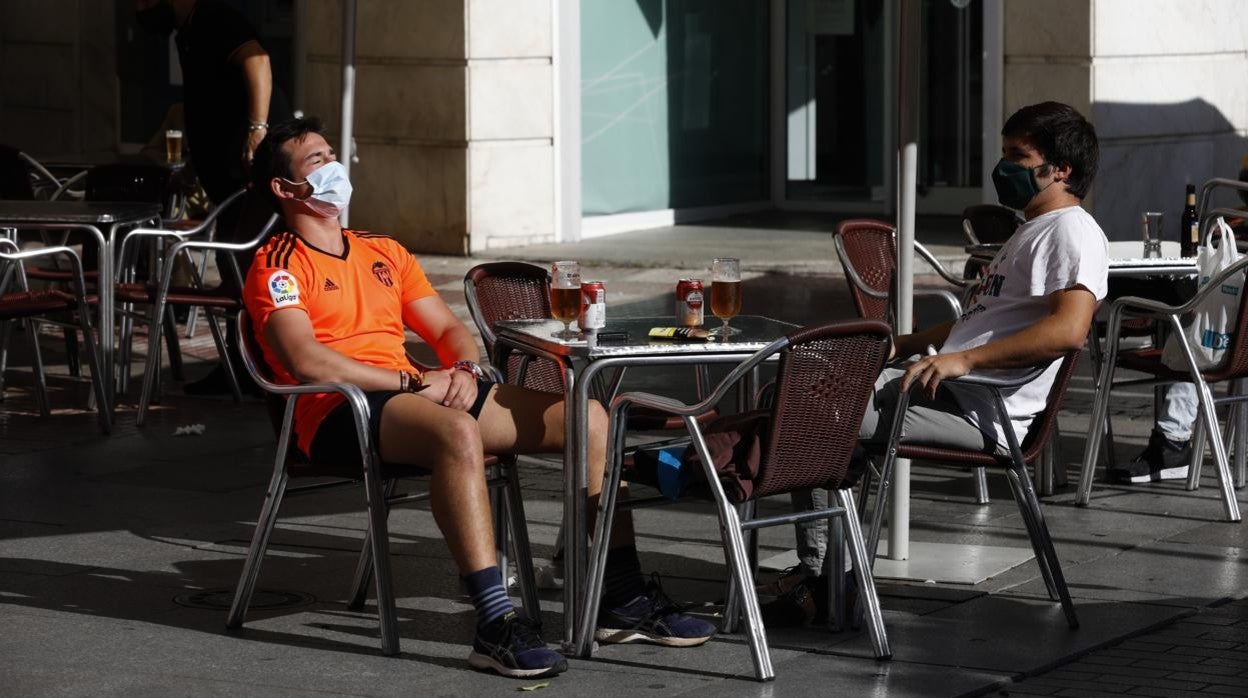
<point x="258" y="126"/>
<point x="469" y="366"/>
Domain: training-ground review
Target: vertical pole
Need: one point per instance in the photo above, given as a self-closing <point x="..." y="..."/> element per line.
<point x="346" y="150"/>
<point x="909" y="42"/>
<point x="778" y="109"/>
<point x="566" y="68"/>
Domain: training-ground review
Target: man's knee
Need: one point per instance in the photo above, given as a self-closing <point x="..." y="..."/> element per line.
<point x="459" y="439"/>
<point x="598" y="421"/>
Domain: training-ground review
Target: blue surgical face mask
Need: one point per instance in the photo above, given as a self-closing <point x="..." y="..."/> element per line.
<point x="1016" y="184"/>
<point x="331" y="190"/>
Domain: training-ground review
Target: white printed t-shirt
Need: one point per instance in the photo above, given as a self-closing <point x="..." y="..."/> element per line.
<point x="1052" y="252"/>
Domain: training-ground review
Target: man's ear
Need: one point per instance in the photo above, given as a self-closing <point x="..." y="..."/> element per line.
<point x="275" y="186"/>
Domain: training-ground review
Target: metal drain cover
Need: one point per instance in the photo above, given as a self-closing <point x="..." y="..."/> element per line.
<point x="261" y="600"/>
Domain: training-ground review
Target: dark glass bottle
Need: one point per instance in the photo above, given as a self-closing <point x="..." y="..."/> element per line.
<point x="1189" y="235"/>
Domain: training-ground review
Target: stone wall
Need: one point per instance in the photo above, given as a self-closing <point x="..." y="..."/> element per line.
<point x="58" y="85"/>
<point x="453" y="118"/>
<point x="1163" y="82"/>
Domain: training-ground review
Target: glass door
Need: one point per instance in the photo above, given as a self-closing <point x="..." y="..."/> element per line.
<point x="839" y="121"/>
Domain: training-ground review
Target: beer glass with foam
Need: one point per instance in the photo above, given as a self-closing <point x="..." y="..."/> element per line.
<point x="565" y="296"/>
<point x="725" y="294"/>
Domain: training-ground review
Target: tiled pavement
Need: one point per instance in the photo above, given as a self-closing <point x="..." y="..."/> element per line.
<point x="98" y="536"/>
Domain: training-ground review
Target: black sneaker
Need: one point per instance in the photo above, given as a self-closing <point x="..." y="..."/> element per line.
<point x="1162" y="459"/>
<point x="654" y="618"/>
<point x="513" y="646"/>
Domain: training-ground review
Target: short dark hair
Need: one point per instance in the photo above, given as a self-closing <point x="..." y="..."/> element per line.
<point x="1063" y="137"/>
<point x="270" y="160"/>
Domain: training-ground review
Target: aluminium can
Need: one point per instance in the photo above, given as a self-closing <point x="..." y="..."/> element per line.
<point x="593" y="305"/>
<point x="690" y="303"/>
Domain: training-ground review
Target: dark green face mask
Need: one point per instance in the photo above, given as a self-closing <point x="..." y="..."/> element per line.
<point x="1015" y="183"/>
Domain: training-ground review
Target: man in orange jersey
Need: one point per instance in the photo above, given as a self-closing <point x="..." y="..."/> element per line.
<point x="330" y="305"/>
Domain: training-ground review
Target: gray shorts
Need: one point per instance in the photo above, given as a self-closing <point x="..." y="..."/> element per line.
<point x="935" y="422"/>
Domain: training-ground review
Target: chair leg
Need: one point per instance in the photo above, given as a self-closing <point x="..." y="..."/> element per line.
<point x="597" y="563"/>
<point x="259" y="543"/>
<point x="863" y="561"/>
<point x="734" y="546"/>
<point x="1057" y="467"/>
<point x="155" y="326"/>
<point x="1033" y="535"/>
<point x="224" y="354"/>
<point x="377" y="514"/>
<point x="834" y="574"/>
<point x="1100" y="439"/>
<point x="1241" y="436"/>
<point x="498" y="517"/>
<point x="981" y="486"/>
<point x="514" y="501"/>
<point x="6" y="328"/>
<point x="103" y="407"/>
<point x="1198" y="455"/>
<point x="1044" y="541"/>
<point x="173" y="346"/>
<point x="1230" y="505"/>
<point x="36" y="367"/>
<point x="364" y="565"/>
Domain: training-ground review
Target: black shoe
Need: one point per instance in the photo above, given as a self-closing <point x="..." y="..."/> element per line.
<point x="799" y="600"/>
<point x="653" y="618"/>
<point x="217" y="383"/>
<point x="513" y="646"/>
<point x="1162" y="459"/>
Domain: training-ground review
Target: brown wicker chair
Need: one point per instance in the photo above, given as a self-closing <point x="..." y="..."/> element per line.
<point x="1015" y="465"/>
<point x="498" y="291"/>
<point x="867" y="249"/>
<point x="823" y="383"/>
<point x="1233" y="369"/>
<point x="379" y="480"/>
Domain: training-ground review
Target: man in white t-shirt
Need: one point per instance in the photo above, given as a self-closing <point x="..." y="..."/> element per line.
<point x="1035" y="304"/>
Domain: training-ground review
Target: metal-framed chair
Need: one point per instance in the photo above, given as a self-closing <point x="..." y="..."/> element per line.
<point x="823" y="385"/>
<point x="132" y="291"/>
<point x="25" y="305"/>
<point x="219" y="299"/>
<point x="1031" y="450"/>
<point x="498" y="291"/>
<point x="1233" y="370"/>
<point x="378" y="479"/>
<point x="867" y="249"/>
<point x="986" y="224"/>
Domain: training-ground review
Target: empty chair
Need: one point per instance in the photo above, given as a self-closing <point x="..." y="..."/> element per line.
<point x="806" y="439"/>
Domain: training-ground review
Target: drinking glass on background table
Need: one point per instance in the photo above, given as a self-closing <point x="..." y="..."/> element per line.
<point x="1152" y="221"/>
<point x="173" y="146"/>
<point x="725" y="294"/>
<point x="565" y="296"/>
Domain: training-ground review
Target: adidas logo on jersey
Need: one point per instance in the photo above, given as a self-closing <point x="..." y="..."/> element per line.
<point x="330" y="285"/>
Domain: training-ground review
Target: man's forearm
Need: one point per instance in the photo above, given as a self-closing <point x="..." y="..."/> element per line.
<point x="321" y="364"/>
<point x="917" y="343"/>
<point x="259" y="76"/>
<point x="1044" y="341"/>
<point x="457" y="344"/>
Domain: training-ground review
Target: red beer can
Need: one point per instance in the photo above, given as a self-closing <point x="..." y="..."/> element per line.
<point x="689" y="302"/>
<point x="593" y="306"/>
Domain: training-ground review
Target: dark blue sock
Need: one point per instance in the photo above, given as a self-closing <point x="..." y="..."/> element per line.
<point x="622" y="579"/>
<point x="488" y="595"/>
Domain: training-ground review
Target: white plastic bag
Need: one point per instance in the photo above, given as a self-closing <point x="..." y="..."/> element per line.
<point x="1213" y="321"/>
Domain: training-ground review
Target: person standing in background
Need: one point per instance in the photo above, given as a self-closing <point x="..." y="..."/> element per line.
<point x="229" y="99"/>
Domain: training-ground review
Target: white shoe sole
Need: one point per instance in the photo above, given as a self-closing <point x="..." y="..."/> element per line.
<point x="1179" y="473"/>
<point x="481" y="661"/>
<point x="622" y="637"/>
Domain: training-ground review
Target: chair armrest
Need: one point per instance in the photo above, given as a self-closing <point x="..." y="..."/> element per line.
<point x="955" y="305"/>
<point x="75" y="261"/>
<point x="940" y="268"/>
<point x="658" y="403"/>
<point x="999" y="383"/>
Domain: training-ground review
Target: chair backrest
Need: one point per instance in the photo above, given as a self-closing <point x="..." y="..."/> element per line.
<point x="258" y="368"/>
<point x="870" y="253"/>
<point x="1045" y="423"/>
<point x="823" y="385"/>
<point x="989" y="223"/>
<point x="498" y="291"/>
<point x="123" y="181"/>
<point x="15" y="176"/>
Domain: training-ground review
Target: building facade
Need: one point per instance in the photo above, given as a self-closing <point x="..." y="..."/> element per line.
<point x="488" y="123"/>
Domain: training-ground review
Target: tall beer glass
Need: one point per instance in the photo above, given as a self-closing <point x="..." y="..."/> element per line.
<point x="173" y="146"/>
<point x="725" y="294"/>
<point x="565" y="296"/>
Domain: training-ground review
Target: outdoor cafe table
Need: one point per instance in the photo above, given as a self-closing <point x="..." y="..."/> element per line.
<point x="88" y="217"/>
<point x="1126" y="259"/>
<point x="582" y="361"/>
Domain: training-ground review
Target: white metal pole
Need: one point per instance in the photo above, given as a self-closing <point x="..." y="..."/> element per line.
<point x="908" y="45"/>
<point x="346" y="150"/>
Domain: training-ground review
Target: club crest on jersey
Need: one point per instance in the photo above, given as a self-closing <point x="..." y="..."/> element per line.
<point x="283" y="289"/>
<point x="382" y="272"/>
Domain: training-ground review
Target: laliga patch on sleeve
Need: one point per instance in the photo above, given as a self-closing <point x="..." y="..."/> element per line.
<point x="283" y="289"/>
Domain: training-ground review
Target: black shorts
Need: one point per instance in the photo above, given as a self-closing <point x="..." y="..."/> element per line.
<point x="336" y="442"/>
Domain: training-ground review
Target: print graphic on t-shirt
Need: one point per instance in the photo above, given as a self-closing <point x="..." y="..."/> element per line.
<point x="330" y="285"/>
<point x="990" y="286"/>
<point x="382" y="272"/>
<point x="283" y="289"/>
